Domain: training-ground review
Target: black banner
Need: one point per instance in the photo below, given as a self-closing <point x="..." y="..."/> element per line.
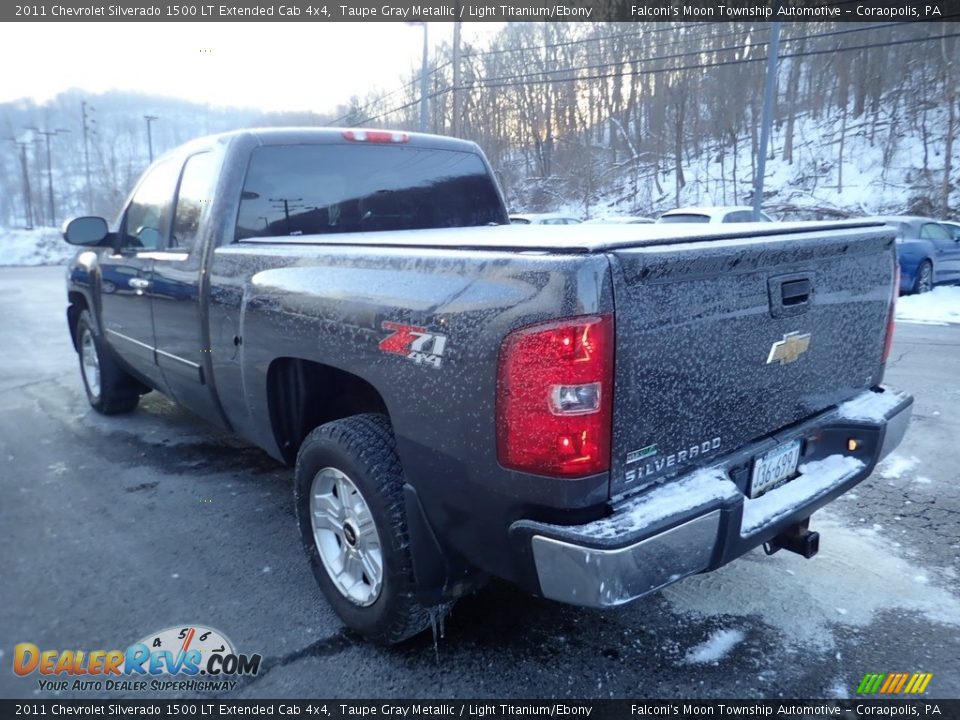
<point x="492" y="11"/>
<point x="478" y="709"/>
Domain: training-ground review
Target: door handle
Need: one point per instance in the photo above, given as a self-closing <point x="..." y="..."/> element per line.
<point x="139" y="283"/>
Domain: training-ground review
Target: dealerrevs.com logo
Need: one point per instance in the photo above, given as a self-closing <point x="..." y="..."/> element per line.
<point x="181" y="658"/>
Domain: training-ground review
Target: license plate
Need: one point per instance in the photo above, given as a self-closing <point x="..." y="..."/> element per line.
<point x="774" y="467"/>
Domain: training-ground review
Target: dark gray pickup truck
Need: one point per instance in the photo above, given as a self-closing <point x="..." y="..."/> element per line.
<point x="590" y="412"/>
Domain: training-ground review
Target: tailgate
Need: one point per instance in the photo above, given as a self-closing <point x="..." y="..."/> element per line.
<point x="721" y="342"/>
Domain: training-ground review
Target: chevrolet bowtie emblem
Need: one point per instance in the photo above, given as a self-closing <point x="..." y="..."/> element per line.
<point x="789" y="349"/>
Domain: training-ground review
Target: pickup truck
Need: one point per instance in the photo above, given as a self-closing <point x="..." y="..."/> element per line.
<point x="589" y="412"/>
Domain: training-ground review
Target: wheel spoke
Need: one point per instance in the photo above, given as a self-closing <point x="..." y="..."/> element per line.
<point x="343" y="491"/>
<point x="371" y="567"/>
<point x="364" y="518"/>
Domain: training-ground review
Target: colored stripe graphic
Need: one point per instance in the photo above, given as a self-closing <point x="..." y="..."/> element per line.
<point x="894" y="683"/>
<point x="870" y="683"/>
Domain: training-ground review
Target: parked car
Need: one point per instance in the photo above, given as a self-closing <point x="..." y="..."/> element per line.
<point x="620" y="220"/>
<point x="461" y="398"/>
<point x="722" y="214"/>
<point x="543" y="219"/>
<point x="927" y="251"/>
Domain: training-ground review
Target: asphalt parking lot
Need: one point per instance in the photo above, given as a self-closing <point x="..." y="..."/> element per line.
<point x="112" y="528"/>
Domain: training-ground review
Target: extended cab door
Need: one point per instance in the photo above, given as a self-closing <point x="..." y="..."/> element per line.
<point x="179" y="315"/>
<point x="126" y="275"/>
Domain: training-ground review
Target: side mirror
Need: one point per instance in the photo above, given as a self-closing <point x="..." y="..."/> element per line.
<point x="86" y="231"/>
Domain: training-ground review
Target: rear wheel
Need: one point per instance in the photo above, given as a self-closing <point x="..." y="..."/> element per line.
<point x="924" y="281"/>
<point x="110" y="390"/>
<point x="349" y="502"/>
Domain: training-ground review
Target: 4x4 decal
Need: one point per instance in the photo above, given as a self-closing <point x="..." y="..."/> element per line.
<point x="415" y="343"/>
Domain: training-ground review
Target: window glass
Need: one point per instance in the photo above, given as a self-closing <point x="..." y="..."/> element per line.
<point x="196" y="185"/>
<point x="685" y="218"/>
<point x="323" y="189"/>
<point x="148" y="216"/>
<point x="933" y="231"/>
<point x="738" y="216"/>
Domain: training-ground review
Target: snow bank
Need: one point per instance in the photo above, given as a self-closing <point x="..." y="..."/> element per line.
<point x="715" y="648"/>
<point x="870" y="406"/>
<point x="40" y="246"/>
<point x="816" y="479"/>
<point x="939" y="307"/>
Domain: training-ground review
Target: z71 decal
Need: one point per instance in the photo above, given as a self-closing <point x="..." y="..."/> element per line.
<point x="414" y="343"/>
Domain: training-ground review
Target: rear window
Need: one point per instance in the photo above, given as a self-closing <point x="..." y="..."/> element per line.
<point x="684" y="218"/>
<point x="327" y="189"/>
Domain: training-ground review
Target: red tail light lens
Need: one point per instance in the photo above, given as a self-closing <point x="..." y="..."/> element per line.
<point x="555" y="397"/>
<point x="892" y="317"/>
<point x="376" y="136"/>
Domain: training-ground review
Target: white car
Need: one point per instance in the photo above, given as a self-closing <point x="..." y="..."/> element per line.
<point x="543" y="219"/>
<point x="620" y="220"/>
<point x="722" y="214"/>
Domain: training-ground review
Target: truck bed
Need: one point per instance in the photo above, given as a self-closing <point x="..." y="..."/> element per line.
<point x="572" y="238"/>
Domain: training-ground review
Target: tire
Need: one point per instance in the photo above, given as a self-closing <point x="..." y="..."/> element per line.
<point x="110" y="389"/>
<point x="924" y="281"/>
<point x="340" y="547"/>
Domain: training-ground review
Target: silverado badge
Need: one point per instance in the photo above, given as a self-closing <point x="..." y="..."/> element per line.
<point x="789" y="349"/>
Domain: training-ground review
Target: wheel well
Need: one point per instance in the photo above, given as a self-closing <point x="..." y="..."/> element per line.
<point x="78" y="303"/>
<point x="303" y="394"/>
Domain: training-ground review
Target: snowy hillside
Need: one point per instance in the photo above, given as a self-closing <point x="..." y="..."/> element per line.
<point x="40" y="246"/>
<point x="883" y="166"/>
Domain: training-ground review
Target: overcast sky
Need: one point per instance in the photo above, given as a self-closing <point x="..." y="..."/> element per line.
<point x="273" y="65"/>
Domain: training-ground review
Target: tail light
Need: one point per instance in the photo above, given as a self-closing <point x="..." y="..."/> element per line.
<point x="376" y="136"/>
<point x="555" y="397"/>
<point x="891" y="318"/>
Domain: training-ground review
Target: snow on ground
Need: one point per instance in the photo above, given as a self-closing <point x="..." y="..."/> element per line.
<point x="714" y="648"/>
<point x="939" y="307"/>
<point x="896" y="466"/>
<point x="40" y="246"/>
<point x="858" y="570"/>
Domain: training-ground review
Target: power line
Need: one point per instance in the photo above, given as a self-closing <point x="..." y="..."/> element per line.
<point x="700" y="66"/>
<point x="699" y="51"/>
<point x="485" y="82"/>
<point x="531" y="79"/>
<point x="581" y="41"/>
<point x="480" y="53"/>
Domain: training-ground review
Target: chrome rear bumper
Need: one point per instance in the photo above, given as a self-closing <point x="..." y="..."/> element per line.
<point x="661" y="535"/>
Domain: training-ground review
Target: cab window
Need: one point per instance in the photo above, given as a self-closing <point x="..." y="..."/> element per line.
<point x="148" y="216"/>
<point x="193" y="195"/>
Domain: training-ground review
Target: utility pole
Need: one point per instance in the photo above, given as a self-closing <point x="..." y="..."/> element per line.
<point x="150" y="119"/>
<point x="769" y="91"/>
<point x="457" y="125"/>
<point x="27" y="202"/>
<point x="49" y="134"/>
<point x="86" y="157"/>
<point x="423" y="77"/>
<point x="287" y="202"/>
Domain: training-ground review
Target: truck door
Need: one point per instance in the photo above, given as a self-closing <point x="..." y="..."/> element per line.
<point x="179" y="314"/>
<point x="125" y="275"/>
